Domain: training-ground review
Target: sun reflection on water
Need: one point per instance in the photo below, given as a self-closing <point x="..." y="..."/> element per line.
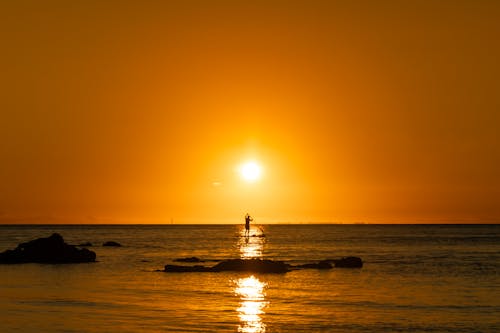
<point x="251" y="246"/>
<point x="250" y="289"/>
<point x="251" y="292"/>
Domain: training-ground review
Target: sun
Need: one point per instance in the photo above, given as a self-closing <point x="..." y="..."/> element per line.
<point x="250" y="171"/>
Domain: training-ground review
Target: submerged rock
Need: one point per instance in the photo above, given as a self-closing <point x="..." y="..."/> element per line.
<point x="85" y="244"/>
<point x="324" y="264"/>
<point x="261" y="265"/>
<point x="348" y="262"/>
<point x="183" y="269"/>
<point x="235" y="265"/>
<point x="51" y="250"/>
<point x="189" y="259"/>
<point x="111" y="243"/>
<point x="252" y="265"/>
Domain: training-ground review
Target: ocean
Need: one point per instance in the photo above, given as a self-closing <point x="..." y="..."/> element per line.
<point x="415" y="278"/>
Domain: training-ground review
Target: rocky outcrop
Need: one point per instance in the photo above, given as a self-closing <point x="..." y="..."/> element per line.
<point x="234" y="265"/>
<point x="86" y="244"/>
<point x="51" y="250"/>
<point x="324" y="264"/>
<point x="183" y="269"/>
<point x="189" y="259"/>
<point x="260" y="265"/>
<point x="252" y="265"/>
<point x="111" y="243"/>
<point x="348" y="262"/>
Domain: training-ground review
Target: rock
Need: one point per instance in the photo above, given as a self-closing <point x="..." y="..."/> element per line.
<point x="252" y="265"/>
<point x="260" y="265"/>
<point x="51" y="250"/>
<point x="111" y="243"/>
<point x="324" y="264"/>
<point x="235" y="265"/>
<point x="85" y="244"/>
<point x="348" y="262"/>
<point x="183" y="269"/>
<point x="189" y="259"/>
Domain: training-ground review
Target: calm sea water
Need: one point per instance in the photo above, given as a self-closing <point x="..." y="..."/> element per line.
<point x="416" y="278"/>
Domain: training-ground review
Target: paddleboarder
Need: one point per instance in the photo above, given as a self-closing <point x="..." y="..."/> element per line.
<point x="248" y="219"/>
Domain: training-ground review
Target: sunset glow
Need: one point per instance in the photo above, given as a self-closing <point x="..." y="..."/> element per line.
<point x="249" y="166"/>
<point x="330" y="111"/>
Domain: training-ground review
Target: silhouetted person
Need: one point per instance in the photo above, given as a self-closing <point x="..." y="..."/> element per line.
<point x="248" y="219"/>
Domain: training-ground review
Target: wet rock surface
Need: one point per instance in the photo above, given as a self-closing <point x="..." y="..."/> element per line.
<point x="252" y="265"/>
<point x="52" y="250"/>
<point x="189" y="259"/>
<point x="347" y="262"/>
<point x="183" y="269"/>
<point x="260" y="265"/>
<point x="235" y="265"/>
<point x="324" y="264"/>
<point x="111" y="243"/>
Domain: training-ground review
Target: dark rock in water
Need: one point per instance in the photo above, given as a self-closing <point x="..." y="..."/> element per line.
<point x="111" y="243"/>
<point x="324" y="264"/>
<point x="183" y="269"/>
<point x="51" y="250"/>
<point x="348" y="262"/>
<point x="236" y="265"/>
<point x="261" y="265"/>
<point x="252" y="265"/>
<point x="190" y="259"/>
<point x="85" y="244"/>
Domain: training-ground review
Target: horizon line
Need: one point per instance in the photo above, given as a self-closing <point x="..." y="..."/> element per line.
<point x="269" y="223"/>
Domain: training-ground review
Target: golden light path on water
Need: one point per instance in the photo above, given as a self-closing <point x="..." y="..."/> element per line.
<point x="251" y="246"/>
<point x="250" y="289"/>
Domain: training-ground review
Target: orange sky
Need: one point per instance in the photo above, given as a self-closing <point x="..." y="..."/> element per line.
<point x="141" y="111"/>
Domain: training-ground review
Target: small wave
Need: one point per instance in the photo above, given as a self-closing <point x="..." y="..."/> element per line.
<point x="67" y="302"/>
